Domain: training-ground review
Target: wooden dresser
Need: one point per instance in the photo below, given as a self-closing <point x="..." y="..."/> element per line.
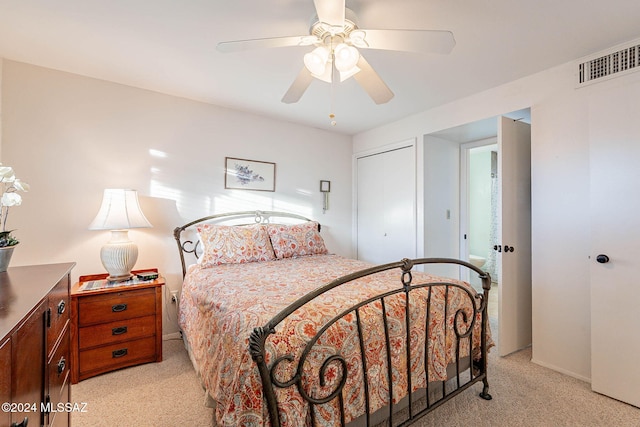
<point x="115" y="327"/>
<point x="34" y="348"/>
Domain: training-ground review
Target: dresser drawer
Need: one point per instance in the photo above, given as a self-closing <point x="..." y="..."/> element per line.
<point x="112" y="332"/>
<point x="59" y="371"/>
<point x="116" y="306"/>
<point x="58" y="303"/>
<point x="118" y="355"/>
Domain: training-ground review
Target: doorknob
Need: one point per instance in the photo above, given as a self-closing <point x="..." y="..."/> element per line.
<point x="602" y="259"/>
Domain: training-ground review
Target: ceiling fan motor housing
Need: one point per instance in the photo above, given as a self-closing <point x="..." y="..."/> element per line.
<point x="322" y="30"/>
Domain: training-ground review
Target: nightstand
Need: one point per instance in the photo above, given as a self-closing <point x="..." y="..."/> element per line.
<point x="116" y="326"/>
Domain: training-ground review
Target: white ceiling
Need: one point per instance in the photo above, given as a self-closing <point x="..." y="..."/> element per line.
<point x="169" y="46"/>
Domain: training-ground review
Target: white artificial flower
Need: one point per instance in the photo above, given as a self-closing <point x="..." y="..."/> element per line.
<point x="21" y="185"/>
<point x="9" y="188"/>
<point x="11" y="199"/>
<point x="6" y="172"/>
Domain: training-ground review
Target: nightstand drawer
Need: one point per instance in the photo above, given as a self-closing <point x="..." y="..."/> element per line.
<point x="122" y="330"/>
<point x="116" y="306"/>
<point x="117" y="355"/>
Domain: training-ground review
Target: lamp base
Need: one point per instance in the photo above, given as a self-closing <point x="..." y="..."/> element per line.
<point x="119" y="256"/>
<point x="123" y="278"/>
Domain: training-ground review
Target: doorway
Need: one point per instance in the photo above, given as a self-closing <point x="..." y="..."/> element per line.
<point x="510" y="262"/>
<point x="479" y="202"/>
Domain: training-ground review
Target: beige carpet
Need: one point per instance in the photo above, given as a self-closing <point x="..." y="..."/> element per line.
<point x="524" y="394"/>
<point x="150" y="395"/>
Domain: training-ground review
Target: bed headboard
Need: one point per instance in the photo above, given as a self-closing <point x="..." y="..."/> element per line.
<point x="188" y="243"/>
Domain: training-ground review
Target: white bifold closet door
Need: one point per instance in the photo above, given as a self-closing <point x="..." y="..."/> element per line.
<point x="386" y="211"/>
<point x="614" y="160"/>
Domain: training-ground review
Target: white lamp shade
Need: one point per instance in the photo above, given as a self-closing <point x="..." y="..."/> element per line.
<point x="120" y="210"/>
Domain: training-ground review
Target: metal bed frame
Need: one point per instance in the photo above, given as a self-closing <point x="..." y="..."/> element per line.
<point x="467" y="370"/>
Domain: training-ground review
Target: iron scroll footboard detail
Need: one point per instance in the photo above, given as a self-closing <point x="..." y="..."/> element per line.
<point x="476" y="371"/>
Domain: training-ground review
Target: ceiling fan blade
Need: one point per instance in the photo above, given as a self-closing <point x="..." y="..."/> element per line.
<point x="298" y="87"/>
<point x="330" y="11"/>
<point x="372" y="83"/>
<point x="240" y="45"/>
<point x="421" y="41"/>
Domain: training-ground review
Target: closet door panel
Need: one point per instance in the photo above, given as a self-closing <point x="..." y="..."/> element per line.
<point x="399" y="237"/>
<point x="369" y="205"/>
<point x="614" y="132"/>
<point x="386" y="225"/>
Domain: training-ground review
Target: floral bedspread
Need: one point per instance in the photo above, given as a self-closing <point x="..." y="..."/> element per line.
<point x="220" y="306"/>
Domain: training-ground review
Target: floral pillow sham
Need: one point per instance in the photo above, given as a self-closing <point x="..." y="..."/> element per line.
<point x="290" y="241"/>
<point x="225" y="244"/>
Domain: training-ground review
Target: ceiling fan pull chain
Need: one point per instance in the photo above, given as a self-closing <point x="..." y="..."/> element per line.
<point x="332" y="116"/>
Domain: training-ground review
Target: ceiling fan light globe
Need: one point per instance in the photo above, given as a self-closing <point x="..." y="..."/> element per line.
<point x="316" y="60"/>
<point x="346" y="57"/>
<point x="326" y="75"/>
<point x="344" y="75"/>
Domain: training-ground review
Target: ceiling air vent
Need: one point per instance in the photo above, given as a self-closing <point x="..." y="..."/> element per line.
<point x="612" y="63"/>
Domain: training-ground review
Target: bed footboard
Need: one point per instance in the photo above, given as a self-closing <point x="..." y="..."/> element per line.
<point x="402" y="376"/>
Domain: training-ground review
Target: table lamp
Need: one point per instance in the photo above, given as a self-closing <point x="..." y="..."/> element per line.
<point x="120" y="211"/>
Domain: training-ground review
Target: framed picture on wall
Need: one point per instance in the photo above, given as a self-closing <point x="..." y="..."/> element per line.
<point x="243" y="174"/>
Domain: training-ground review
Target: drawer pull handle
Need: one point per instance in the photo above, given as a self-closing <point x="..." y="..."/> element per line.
<point x="118" y="307"/>
<point x="119" y="353"/>
<point x="119" y="330"/>
<point x="61" y="307"/>
<point x="61" y="365"/>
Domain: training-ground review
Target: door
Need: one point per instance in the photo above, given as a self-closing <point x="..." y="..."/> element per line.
<point x="614" y="138"/>
<point x="514" y="235"/>
<point x="386" y="224"/>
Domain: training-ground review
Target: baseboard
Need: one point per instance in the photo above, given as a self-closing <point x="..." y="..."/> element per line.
<point x="562" y="371"/>
<point x="172" y="336"/>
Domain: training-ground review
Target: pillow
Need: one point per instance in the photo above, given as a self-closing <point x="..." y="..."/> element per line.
<point x="227" y="244"/>
<point x="290" y="241"/>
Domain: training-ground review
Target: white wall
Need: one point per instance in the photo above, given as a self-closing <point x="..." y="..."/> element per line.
<point x="560" y="198"/>
<point x="441" y="189"/>
<point x="70" y="137"/>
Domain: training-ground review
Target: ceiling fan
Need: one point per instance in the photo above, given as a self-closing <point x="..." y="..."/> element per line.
<point x="337" y="38"/>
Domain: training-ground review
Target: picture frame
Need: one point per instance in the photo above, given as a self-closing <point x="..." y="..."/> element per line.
<point x="245" y="174"/>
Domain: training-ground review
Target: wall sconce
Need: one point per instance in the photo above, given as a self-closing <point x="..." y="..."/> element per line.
<point x="325" y="188"/>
